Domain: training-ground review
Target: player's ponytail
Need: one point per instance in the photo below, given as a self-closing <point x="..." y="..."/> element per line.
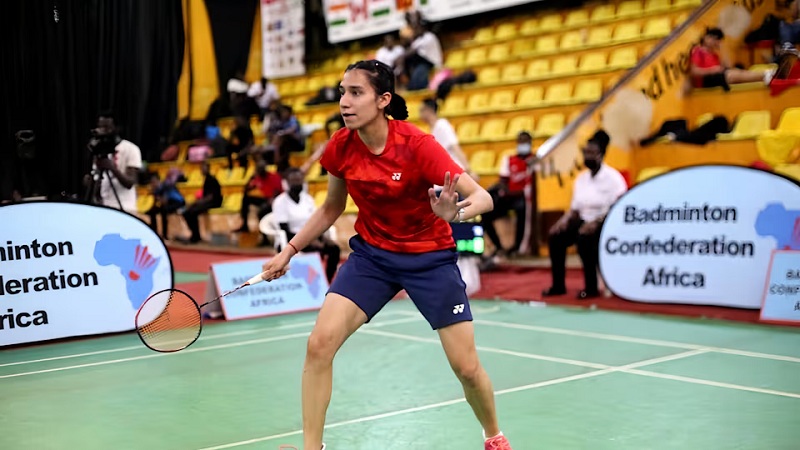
<point x="382" y="79"/>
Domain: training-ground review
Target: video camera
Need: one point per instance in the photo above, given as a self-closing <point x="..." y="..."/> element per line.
<point x="103" y="144"/>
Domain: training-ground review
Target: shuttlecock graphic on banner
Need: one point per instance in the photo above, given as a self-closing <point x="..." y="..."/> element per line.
<point x="135" y="263"/>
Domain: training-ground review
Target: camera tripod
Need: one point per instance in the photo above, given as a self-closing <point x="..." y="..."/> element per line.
<point x="97" y="176"/>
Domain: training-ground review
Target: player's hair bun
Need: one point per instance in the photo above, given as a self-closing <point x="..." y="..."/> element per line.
<point x="398" y="108"/>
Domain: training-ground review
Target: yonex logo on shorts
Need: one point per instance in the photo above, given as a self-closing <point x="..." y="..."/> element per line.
<point x="458" y="309"/>
<point x="396" y="176"/>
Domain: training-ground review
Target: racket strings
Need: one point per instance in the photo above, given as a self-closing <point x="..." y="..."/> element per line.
<point x="175" y="326"/>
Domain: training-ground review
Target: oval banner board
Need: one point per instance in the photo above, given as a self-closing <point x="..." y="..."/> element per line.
<point x="700" y="235"/>
<point x="69" y="269"/>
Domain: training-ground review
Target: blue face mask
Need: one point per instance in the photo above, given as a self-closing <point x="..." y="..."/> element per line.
<point x="524" y="149"/>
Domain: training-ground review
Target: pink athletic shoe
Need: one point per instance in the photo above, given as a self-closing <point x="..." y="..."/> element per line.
<point x="498" y="442"/>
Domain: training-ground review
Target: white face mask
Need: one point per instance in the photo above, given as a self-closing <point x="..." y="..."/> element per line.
<point x="524" y="149"/>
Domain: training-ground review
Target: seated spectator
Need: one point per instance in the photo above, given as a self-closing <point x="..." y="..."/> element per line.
<point x="168" y="199"/>
<point x="708" y="68"/>
<point x="593" y="193"/>
<point x="260" y="191"/>
<point x="240" y="142"/>
<point x="291" y="210"/>
<point x="443" y="132"/>
<point x="509" y="194"/>
<point x="390" y="53"/>
<point x="424" y="54"/>
<point x="789" y="29"/>
<point x="264" y="92"/>
<point x="210" y="197"/>
<point x="285" y="136"/>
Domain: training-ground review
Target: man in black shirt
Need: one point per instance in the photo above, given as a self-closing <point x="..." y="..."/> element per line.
<point x="210" y="198"/>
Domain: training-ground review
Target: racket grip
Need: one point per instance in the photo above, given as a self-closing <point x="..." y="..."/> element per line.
<point x="255" y="280"/>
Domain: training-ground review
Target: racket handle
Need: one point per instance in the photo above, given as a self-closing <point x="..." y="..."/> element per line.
<point x="255" y="280"/>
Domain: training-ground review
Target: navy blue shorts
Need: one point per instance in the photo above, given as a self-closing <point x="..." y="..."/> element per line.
<point x="371" y="277"/>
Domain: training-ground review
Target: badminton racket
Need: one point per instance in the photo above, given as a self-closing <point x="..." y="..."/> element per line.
<point x="170" y="320"/>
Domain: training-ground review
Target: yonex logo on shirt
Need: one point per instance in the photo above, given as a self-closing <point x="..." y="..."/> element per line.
<point x="396" y="176"/>
<point x="458" y="309"/>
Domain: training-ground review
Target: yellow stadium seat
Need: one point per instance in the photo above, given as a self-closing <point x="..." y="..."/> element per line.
<point x="482" y="162"/>
<point x="413" y="108"/>
<point x="592" y="62"/>
<point x="231" y="204"/>
<point x="777" y="147"/>
<point x="623" y="58"/>
<point x="455" y="104"/>
<point x="789" y="170"/>
<point x="513" y="73"/>
<point x="319" y="198"/>
<point x="468" y="131"/>
<point x="499" y="53"/>
<point x="549" y="125"/>
<point x="314" y="172"/>
<point x="494" y="129"/>
<point x="194" y="178"/>
<point x="489" y="75"/>
<point x="748" y="125"/>
<point x="571" y="40"/>
<point x="550" y="22"/>
<point x="652" y="6"/>
<point x="478" y="102"/>
<point x="599" y="36"/>
<point x="502" y="100"/>
<point x="505" y="32"/>
<point x="577" y="18"/>
<point x="314" y="84"/>
<point x="629" y="8"/>
<point x="564" y="66"/>
<point x="558" y="93"/>
<point x="538" y="68"/>
<point x="517" y="124"/>
<point x="455" y="59"/>
<point x="319" y="118"/>
<point x="587" y="91"/>
<point x="687" y="3"/>
<point x="626" y="32"/>
<point x="231" y="177"/>
<point x="763" y="67"/>
<point x="650" y="172"/>
<point x="546" y="44"/>
<point x="703" y="119"/>
<point x="523" y="47"/>
<point x="530" y="96"/>
<point x="529" y="27"/>
<point x="144" y="203"/>
<point x="475" y="57"/>
<point x="790" y="120"/>
<point x="602" y="13"/>
<point x="657" y="28"/>
<point x="483" y="35"/>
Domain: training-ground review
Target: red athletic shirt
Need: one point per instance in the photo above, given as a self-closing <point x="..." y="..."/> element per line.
<point x="703" y="59"/>
<point x="391" y="189"/>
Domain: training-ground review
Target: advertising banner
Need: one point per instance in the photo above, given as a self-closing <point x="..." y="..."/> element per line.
<point x="303" y="288"/>
<point x="782" y="292"/>
<point x="69" y="269"/>
<point x="353" y="19"/>
<point x="699" y="235"/>
<point x="283" y="38"/>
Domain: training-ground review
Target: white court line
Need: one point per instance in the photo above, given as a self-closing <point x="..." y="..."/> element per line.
<point x="195" y="350"/>
<point x="718" y="384"/>
<point x="526" y="387"/>
<point x="203" y="337"/>
<point x="634" y="340"/>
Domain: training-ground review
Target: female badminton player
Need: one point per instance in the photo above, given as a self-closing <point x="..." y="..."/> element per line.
<point x="403" y="241"/>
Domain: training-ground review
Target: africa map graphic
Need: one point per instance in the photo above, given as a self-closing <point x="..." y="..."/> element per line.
<point x="782" y="224"/>
<point x="135" y="263"/>
<point x="309" y="275"/>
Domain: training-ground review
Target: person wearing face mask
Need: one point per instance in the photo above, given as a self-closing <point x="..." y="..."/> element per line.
<point x="594" y="192"/>
<point x="292" y="209"/>
<point x="509" y="194"/>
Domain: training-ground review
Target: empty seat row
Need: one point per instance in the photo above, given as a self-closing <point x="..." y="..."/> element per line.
<point x="584" y="91"/>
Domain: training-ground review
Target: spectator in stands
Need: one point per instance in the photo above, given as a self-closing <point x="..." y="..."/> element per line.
<point x="509" y="194"/>
<point x="260" y="191"/>
<point x="789" y="29"/>
<point x="708" y="68"/>
<point x="291" y="210"/>
<point x="443" y="132"/>
<point x="119" y="171"/>
<point x="390" y="53"/>
<point x="240" y="142"/>
<point x="168" y="200"/>
<point x="264" y="92"/>
<point x="210" y="197"/>
<point x="285" y="136"/>
<point x="593" y="193"/>
<point x="424" y="54"/>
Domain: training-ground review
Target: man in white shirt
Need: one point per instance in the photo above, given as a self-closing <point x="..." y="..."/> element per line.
<point x="424" y="54"/>
<point x="115" y="174"/>
<point x="443" y="132"/>
<point x="390" y="52"/>
<point x="292" y="209"/>
<point x="594" y="192"/>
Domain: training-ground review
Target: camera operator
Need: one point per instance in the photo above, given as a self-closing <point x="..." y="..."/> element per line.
<point x="115" y="166"/>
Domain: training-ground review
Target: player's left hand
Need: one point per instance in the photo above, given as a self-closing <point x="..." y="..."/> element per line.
<point x="446" y="205"/>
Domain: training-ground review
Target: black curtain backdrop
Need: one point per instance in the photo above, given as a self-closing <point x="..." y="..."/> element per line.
<point x="232" y="29"/>
<point x="64" y="62"/>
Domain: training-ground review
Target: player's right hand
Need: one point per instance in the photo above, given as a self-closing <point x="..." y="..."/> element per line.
<point x="275" y="267"/>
